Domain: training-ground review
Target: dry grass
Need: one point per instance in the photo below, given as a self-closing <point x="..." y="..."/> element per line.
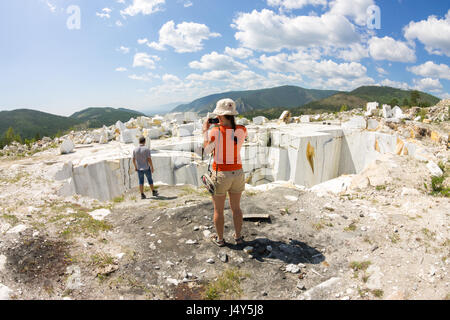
<point x="226" y="287"/>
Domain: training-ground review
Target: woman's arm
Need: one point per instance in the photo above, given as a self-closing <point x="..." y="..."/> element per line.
<point x="205" y="129"/>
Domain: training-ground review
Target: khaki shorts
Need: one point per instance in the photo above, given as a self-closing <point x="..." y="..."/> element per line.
<point x="229" y="181"/>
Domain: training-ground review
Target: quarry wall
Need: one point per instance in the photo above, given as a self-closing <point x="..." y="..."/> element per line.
<point x="304" y="157"/>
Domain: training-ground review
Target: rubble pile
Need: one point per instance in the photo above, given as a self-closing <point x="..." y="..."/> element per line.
<point x="384" y="119"/>
<point x="440" y="112"/>
<point x="17" y="149"/>
<point x="171" y="125"/>
<point x="412" y="123"/>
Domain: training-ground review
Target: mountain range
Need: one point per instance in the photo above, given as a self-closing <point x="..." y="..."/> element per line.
<point x="31" y="123"/>
<point x="98" y="117"/>
<point x="268" y="102"/>
<point x="299" y="100"/>
<point x="285" y="96"/>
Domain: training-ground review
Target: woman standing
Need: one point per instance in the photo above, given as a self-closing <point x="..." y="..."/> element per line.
<point x="228" y="176"/>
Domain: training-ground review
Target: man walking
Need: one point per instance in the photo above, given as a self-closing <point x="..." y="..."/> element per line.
<point x="142" y="159"/>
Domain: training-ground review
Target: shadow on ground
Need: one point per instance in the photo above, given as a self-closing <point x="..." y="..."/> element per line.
<point x="294" y="252"/>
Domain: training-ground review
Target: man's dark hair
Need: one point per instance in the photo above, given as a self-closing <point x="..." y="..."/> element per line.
<point x="141" y="140"/>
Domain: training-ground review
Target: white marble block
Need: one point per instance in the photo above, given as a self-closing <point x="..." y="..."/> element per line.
<point x="260" y="120"/>
<point x="120" y="126"/>
<point x="242" y="121"/>
<point x="356" y="122"/>
<point x="129" y="135"/>
<point x="397" y="113"/>
<point x="387" y="111"/>
<point x="371" y="108"/>
<point x="185" y="130"/>
<point x="305" y="119"/>
<point x="372" y="124"/>
<point x="67" y="146"/>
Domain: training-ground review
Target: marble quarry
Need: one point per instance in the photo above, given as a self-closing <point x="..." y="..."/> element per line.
<point x="305" y="154"/>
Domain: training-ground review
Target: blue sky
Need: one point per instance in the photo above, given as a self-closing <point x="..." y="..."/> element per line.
<point x="141" y="54"/>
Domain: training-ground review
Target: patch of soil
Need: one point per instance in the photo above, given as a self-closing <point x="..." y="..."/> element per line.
<point x="36" y="259"/>
<point x="189" y="291"/>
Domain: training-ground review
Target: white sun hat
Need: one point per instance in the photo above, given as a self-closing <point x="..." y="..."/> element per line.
<point x="225" y="107"/>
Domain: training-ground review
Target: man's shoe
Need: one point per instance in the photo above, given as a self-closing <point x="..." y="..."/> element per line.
<point x="143" y="196"/>
<point x="155" y="193"/>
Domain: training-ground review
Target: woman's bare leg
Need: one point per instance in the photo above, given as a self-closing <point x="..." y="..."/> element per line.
<point x="219" y="205"/>
<point x="235" y="204"/>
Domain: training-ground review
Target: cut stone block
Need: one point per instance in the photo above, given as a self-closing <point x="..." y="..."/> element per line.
<point x="129" y="135"/>
<point x="185" y="130"/>
<point x="305" y="119"/>
<point x="434" y="169"/>
<point x="260" y="120"/>
<point x="397" y="113"/>
<point x="242" y="121"/>
<point x="387" y="111"/>
<point x="371" y="108"/>
<point x="67" y="146"/>
<point x="357" y="122"/>
<point x="372" y="124"/>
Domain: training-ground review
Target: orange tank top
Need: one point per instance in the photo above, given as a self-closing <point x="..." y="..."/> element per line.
<point x="227" y="153"/>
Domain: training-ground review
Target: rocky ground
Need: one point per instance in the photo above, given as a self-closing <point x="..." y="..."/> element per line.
<point x="384" y="237"/>
<point x="380" y="234"/>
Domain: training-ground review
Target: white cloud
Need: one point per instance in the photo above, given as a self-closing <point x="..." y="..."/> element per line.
<point x="216" y="61"/>
<point x="104" y="14"/>
<point x="311" y="68"/>
<point x="198" y="85"/>
<point x="389" y="49"/>
<point x="381" y="71"/>
<point x="144" y="60"/>
<point x="340" y="83"/>
<point x="142" y="41"/>
<point x="355" y="52"/>
<point x="124" y="50"/>
<point x="51" y="7"/>
<point x="184" y="37"/>
<point x="324" y="74"/>
<point x="434" y="33"/>
<point x="331" y="69"/>
<point x="170" y="78"/>
<point x="280" y="63"/>
<point x="188" y="4"/>
<point x="119" y="23"/>
<point x="428" y="84"/>
<point x="145" y="7"/>
<point x="215" y="75"/>
<point x="444" y="95"/>
<point x="139" y="78"/>
<point x="431" y="70"/>
<point x="144" y="77"/>
<point x="295" y="4"/>
<point x="239" y="53"/>
<point x="244" y="80"/>
<point x="121" y="69"/>
<point x="395" y="84"/>
<point x="180" y="90"/>
<point x="354" y="9"/>
<point x="270" y="32"/>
